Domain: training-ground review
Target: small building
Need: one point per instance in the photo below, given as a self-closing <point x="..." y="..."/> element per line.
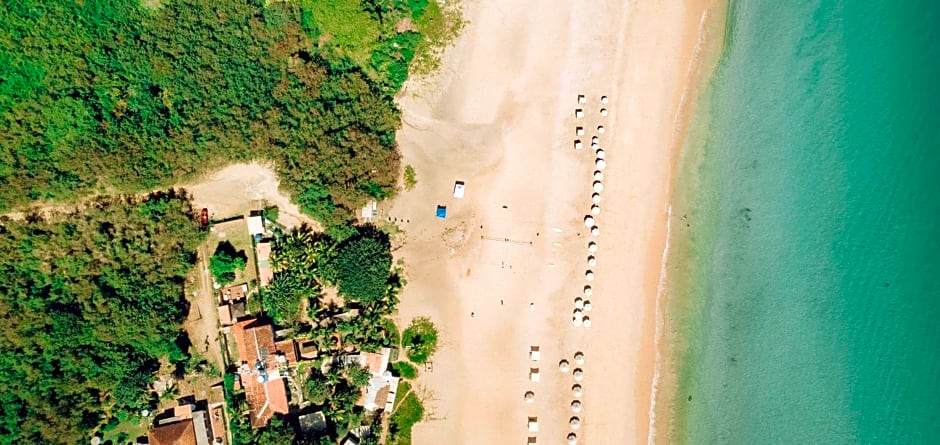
<point x="312" y="423"/>
<point x="370" y="210"/>
<point x="458" y="189"/>
<point x="232" y="293"/>
<point x="382" y="386"/>
<point x="226" y="317"/>
<point x="189" y="424"/>
<point x="256" y="223"/>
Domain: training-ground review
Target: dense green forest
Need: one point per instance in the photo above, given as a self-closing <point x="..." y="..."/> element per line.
<point x="91" y="301"/>
<point x="98" y="96"/>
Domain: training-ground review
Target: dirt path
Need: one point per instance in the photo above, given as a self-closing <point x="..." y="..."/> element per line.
<point x="233" y="190"/>
<point x="203" y="321"/>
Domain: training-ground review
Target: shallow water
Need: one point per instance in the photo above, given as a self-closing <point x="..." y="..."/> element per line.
<point x="805" y="277"/>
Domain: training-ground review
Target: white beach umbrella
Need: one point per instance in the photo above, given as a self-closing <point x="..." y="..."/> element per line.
<point x="598" y="175"/>
<point x="579" y="357"/>
<point x="587" y="322"/>
<point x="572" y="439"/>
<point x="592" y="261"/>
<point x="578" y="314"/>
<point x="604" y="100"/>
<point x="595" y="147"/>
<point x="604" y="112"/>
<point x="577" y="390"/>
<point x="592" y="246"/>
<point x="576" y="406"/>
<point x="574" y="423"/>
<point x="600" y="164"/>
<point x="578" y="374"/>
<point x="596" y="198"/>
<point x="577" y="321"/>
<point x="587" y="306"/>
<point x="529" y="397"/>
<point x="564" y="366"/>
<point x="589" y="275"/>
<point x="595" y="140"/>
<point x="589" y="221"/>
<point x="595" y="231"/>
<point x="598" y="186"/>
<point x="601" y="154"/>
<point x="600" y="129"/>
<point x="595" y="210"/>
<point x="588" y="291"/>
<point x="578" y="302"/>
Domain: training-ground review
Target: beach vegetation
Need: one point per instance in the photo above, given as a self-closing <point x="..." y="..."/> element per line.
<point x="95" y="304"/>
<point x="411" y="179"/>
<point x="408" y="412"/>
<point x="225" y="262"/>
<point x="405" y="370"/>
<point x="439" y="25"/>
<point x="420" y="340"/>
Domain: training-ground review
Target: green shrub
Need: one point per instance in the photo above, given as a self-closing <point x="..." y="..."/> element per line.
<point x="407" y="413"/>
<point x="420" y="340"/>
<point x="225" y="262"/>
<point x="410" y="179"/>
<point x="405" y="370"/>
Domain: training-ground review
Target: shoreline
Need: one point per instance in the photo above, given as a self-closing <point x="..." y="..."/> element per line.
<point x="503" y="113"/>
<point x="705" y="57"/>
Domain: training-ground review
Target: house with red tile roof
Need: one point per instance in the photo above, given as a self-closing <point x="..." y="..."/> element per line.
<point x="189" y="424"/>
<point x="263" y="369"/>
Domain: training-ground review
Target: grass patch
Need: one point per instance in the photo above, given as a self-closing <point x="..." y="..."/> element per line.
<point x="344" y="26"/>
<point x="420" y="340"/>
<point x="409" y="412"/>
<point x="410" y="178"/>
<point x="440" y="26"/>
<point x="405" y="370"/>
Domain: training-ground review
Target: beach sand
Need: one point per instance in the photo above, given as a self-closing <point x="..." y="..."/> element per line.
<point x="501" y="118"/>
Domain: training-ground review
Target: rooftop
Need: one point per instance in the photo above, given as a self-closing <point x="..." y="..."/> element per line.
<point x="179" y="433"/>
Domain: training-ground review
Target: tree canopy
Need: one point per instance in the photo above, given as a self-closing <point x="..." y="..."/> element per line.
<point x="361" y="268"/>
<point x="420" y="340"/>
<point x="111" y="95"/>
<point x="225" y="262"/>
<point x="91" y="301"/>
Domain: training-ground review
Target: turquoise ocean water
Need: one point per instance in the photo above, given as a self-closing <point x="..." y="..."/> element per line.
<point x="805" y="273"/>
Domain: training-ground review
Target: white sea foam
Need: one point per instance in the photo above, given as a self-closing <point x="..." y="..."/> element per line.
<point x="661" y="290"/>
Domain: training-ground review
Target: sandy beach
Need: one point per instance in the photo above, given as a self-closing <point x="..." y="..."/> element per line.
<point x="501" y="272"/>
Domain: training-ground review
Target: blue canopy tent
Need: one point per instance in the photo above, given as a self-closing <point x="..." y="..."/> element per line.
<point x="441" y="211"/>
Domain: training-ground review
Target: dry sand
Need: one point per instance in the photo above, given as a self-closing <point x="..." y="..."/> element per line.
<point x="501" y="118"/>
<point x="238" y="188"/>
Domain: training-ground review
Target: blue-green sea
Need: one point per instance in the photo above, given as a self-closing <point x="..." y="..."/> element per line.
<point x="804" y="298"/>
